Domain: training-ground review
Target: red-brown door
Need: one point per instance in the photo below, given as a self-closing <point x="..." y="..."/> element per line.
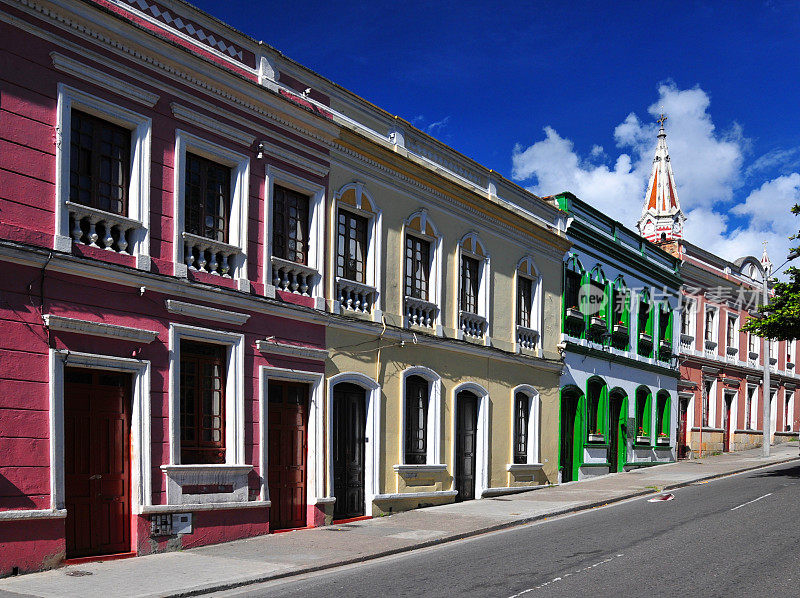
<point x="726" y="434"/>
<point x="288" y="412"/>
<point x="683" y="449"/>
<point x="97" y="462"/>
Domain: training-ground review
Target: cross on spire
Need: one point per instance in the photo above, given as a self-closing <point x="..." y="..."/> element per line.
<point x="661" y="120"/>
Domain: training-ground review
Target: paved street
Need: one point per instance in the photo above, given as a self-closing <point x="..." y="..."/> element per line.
<point x="735" y="536"/>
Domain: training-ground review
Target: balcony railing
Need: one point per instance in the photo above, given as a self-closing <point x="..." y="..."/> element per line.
<point x="293" y="277"/>
<point x="355" y="296"/>
<point x="473" y="325"/>
<point x="420" y="312"/>
<point x="206" y="255"/>
<point x="527" y="338"/>
<point x="96" y="228"/>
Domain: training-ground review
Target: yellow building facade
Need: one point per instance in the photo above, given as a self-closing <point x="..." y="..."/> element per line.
<point x="443" y="283"/>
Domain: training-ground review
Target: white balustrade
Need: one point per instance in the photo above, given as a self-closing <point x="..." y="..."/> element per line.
<point x="104" y="230"/>
<point x="355" y="296"/>
<point x="420" y="312"/>
<point x="473" y="325"/>
<point x="293" y="277"/>
<point x="527" y="338"/>
<point x="206" y="255"/>
<point x="687" y="342"/>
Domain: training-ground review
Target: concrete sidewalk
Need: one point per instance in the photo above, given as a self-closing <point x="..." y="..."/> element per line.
<point x="243" y="562"/>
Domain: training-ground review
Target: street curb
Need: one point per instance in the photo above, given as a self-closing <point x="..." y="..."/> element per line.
<point x="230" y="585"/>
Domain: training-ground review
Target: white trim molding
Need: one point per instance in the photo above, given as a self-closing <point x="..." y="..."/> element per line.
<point x="141" y="483"/>
<point x="469" y="325"/>
<point x="103" y="80"/>
<point x="237" y="225"/>
<point x="234" y="389"/>
<point x="433" y="425"/>
<point x="123" y="333"/>
<point x="294" y="157"/>
<point x="204" y="312"/>
<point x="291" y="350"/>
<point x="534" y="425"/>
<point x="482" y="444"/>
<point x="420" y="225"/>
<point x="181" y="476"/>
<point x="313" y="271"/>
<point x="372" y="395"/>
<point x="212" y="125"/>
<point x="138" y="238"/>
<point x="315" y="460"/>
<point x="413" y="495"/>
<point x="27" y="514"/>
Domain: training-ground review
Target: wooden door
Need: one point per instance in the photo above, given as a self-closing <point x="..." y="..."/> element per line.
<point x="572" y="408"/>
<point x="726" y="432"/>
<point x="466" y="444"/>
<point x="349" y="444"/>
<point x="288" y="452"/>
<point x="618" y="428"/>
<point x="97" y="462"/>
<point x="683" y="449"/>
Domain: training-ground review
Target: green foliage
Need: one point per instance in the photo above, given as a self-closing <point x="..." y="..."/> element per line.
<point x="780" y="318"/>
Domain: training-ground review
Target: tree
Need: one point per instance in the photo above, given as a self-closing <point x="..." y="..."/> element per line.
<point x="780" y="318"/>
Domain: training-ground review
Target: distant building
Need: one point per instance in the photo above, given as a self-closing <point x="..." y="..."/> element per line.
<point x="720" y="390"/>
<point x="619" y="387"/>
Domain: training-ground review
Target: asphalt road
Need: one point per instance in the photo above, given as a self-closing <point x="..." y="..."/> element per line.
<point x="736" y="536"/>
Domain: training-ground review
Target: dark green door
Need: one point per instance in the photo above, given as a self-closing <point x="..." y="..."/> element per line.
<point x="572" y="435"/>
<point x="617" y="429"/>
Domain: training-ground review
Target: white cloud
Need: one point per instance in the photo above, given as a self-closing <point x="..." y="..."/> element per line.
<point x="436" y="127"/>
<point x="709" y="172"/>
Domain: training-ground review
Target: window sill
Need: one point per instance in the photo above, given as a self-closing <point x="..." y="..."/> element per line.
<point x="408" y="470"/>
<point x="231" y="481"/>
<point x="523" y="467"/>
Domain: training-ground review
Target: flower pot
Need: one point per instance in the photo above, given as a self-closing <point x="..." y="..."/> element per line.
<point x="642" y="440"/>
<point x="662" y="440"/>
<point x="597" y="438"/>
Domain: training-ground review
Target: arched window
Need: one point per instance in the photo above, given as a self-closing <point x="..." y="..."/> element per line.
<point x="528" y="306"/>
<point x="596" y="304"/>
<point x="422" y="272"/>
<point x="645" y="324"/>
<point x="663" y="420"/>
<point x="665" y="331"/>
<point x="357" y="249"/>
<point x="416" y="420"/>
<point x="473" y="288"/>
<point x="574" y="275"/>
<point x="596" y="410"/>
<point x="644" y="415"/>
<point x="526" y="426"/>
<point x="620" y="314"/>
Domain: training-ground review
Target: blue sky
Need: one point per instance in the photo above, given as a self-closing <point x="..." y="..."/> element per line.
<point x="562" y="95"/>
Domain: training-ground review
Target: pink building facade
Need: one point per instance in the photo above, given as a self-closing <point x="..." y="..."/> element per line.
<point x="721" y="389"/>
<point x="147" y="357"/>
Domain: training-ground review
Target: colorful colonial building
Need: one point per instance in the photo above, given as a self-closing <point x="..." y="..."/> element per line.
<point x="619" y="387"/>
<point x="238" y="298"/>
<point x="721" y="390"/>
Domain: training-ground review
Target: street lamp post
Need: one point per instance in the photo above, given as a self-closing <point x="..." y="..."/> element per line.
<point x="766" y="408"/>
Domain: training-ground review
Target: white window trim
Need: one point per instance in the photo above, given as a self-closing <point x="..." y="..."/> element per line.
<point x="712" y="403"/>
<point x="534" y="427"/>
<point x="374" y="241"/>
<point x="316" y="225"/>
<point x="757" y="345"/>
<point x="141" y="483"/>
<point x="482" y="444"/>
<point x="788" y="396"/>
<point x="714" y="324"/>
<point x="139" y="184"/>
<point x="735" y="317"/>
<point x="315" y="456"/>
<point x="690" y="309"/>
<point x="752" y="417"/>
<point x="234" y="390"/>
<point x="789" y="353"/>
<point x="372" y="455"/>
<point x="531" y="272"/>
<point x="435" y="273"/>
<point x="734" y="416"/>
<point x="433" y="425"/>
<point x="240" y="185"/>
<point x="484" y="262"/>
<point x="773" y="412"/>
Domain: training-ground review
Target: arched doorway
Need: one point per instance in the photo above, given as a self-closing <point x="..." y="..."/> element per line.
<point x="572" y="423"/>
<point x="349" y="449"/>
<point x="617" y="430"/>
<point x="466" y="449"/>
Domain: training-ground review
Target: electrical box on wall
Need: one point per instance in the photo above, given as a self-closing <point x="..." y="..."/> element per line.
<point x="182" y="523"/>
<point x="160" y="525"/>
